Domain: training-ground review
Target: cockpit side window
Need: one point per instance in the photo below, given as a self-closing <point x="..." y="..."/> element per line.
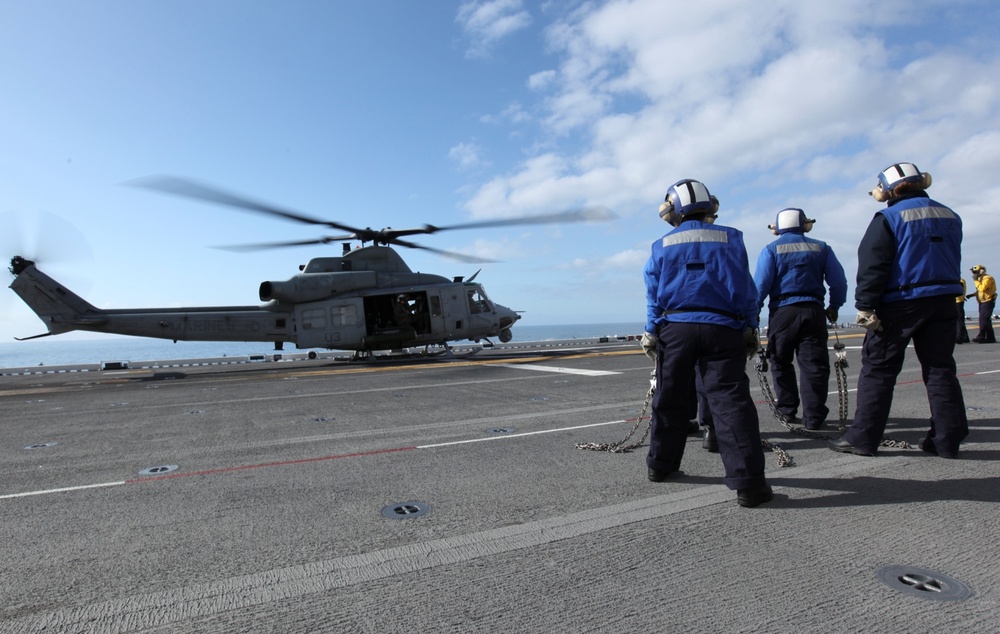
<point x="478" y="302"/>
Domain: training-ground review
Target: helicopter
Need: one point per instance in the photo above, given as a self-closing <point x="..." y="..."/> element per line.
<point x="365" y="300"/>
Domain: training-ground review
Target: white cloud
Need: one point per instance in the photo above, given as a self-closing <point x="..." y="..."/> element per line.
<point x="485" y="23"/>
<point x="541" y="80"/>
<point x="795" y="104"/>
<point x="503" y="249"/>
<point x="467" y="155"/>
<point x="630" y="259"/>
<point x="738" y="92"/>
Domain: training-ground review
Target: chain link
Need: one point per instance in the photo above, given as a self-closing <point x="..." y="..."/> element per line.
<point x="840" y="371"/>
<point x="620" y="446"/>
<point x="840" y="367"/>
<point x="782" y="457"/>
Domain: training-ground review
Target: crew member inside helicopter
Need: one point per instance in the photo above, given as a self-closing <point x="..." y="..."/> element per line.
<point x="402" y="312"/>
<point x="477" y="302"/>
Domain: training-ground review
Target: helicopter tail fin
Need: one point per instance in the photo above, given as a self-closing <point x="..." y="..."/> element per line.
<point x="59" y="308"/>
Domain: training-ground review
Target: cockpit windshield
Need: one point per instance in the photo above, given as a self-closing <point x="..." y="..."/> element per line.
<point x="478" y="301"/>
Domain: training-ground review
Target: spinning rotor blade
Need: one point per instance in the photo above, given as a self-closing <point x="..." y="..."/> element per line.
<point x="52" y="242"/>
<point x="43" y="238"/>
<point x="190" y="189"/>
<point x="577" y="215"/>
<point x="471" y="259"/>
<point x="584" y="214"/>
<point x="261" y="246"/>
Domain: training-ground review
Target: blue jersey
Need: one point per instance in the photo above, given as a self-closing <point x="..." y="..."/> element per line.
<point x="699" y="273"/>
<point x="792" y="270"/>
<point x="928" y="259"/>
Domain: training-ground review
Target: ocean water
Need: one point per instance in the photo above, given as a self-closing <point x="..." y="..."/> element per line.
<point x="57" y="351"/>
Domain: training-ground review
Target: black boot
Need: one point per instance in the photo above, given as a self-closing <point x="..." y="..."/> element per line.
<point x="709" y="442"/>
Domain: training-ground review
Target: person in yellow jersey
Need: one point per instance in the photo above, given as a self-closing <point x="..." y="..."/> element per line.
<point x="986" y="294"/>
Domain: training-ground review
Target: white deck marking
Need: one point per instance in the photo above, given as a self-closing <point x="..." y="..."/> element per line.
<point x="521" y="435"/>
<point x="549" y="368"/>
<point x="62" y="490"/>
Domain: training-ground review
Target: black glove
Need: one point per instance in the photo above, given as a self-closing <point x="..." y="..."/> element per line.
<point x="831" y="315"/>
<point x="752" y="341"/>
<point x="970" y="295"/>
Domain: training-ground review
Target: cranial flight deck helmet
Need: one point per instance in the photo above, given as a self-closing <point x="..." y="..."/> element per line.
<point x="896" y="174"/>
<point x="789" y="220"/>
<point x="686" y="197"/>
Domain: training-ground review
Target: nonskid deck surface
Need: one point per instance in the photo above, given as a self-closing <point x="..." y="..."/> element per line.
<point x="407" y="496"/>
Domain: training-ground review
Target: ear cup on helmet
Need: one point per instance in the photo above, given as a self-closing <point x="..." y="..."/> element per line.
<point x="894" y="175"/>
<point x="790" y="219"/>
<point x="668" y="214"/>
<point x="688" y="196"/>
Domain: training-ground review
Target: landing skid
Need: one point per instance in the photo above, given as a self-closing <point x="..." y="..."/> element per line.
<point x="447" y="352"/>
<point x="450" y="353"/>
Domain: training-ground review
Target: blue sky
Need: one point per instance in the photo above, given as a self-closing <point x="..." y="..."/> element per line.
<point x="403" y="113"/>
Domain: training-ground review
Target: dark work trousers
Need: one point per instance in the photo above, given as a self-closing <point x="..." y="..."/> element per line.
<point x="962" y="335"/>
<point x="720" y="355"/>
<point x="798" y="332"/>
<point x="704" y="412"/>
<point x="930" y="323"/>
<point x="986" y="322"/>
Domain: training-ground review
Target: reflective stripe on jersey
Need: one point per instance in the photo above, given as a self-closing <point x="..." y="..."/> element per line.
<point x="798" y="247"/>
<point x="695" y="235"/>
<point x="925" y="213"/>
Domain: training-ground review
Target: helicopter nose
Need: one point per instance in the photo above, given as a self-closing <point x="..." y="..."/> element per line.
<point x="507" y="316"/>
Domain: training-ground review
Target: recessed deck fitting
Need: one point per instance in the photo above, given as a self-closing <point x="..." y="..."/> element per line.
<point x="923" y="583"/>
<point x="502" y="430"/>
<point x="42" y="445"/>
<point x="159" y="470"/>
<point x="405" y="510"/>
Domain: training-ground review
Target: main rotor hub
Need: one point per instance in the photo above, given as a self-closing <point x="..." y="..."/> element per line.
<point x="18" y="264"/>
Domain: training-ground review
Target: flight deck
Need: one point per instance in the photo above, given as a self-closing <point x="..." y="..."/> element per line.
<point x="409" y="495"/>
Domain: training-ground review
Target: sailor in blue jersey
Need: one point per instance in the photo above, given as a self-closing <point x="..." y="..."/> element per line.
<point x="702" y="317"/>
<point x="909" y="273"/>
<point x="791" y="271"/>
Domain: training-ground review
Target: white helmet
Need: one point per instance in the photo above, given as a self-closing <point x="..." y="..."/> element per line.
<point x="687" y="197"/>
<point x="896" y="174"/>
<point x="791" y="219"/>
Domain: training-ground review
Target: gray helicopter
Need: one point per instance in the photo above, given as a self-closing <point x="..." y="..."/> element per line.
<point x="365" y="300"/>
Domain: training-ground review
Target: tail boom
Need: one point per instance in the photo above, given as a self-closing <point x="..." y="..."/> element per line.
<point x="62" y="310"/>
